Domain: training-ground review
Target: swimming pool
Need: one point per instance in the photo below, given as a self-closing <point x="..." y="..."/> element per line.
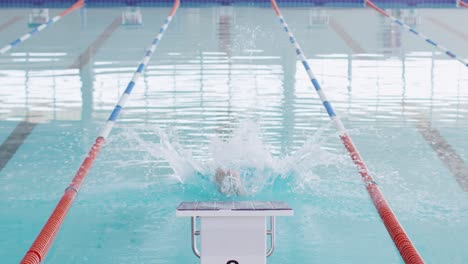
<point x="230" y="72"/>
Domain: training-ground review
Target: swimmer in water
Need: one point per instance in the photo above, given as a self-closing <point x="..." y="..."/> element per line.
<point x="229" y="182"/>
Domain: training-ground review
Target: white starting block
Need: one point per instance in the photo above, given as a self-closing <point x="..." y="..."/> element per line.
<point x="132" y="16"/>
<point x="407" y="16"/>
<point x="233" y="232"/>
<point x="411" y="17"/>
<point x="38" y="16"/>
<point x="318" y="17"/>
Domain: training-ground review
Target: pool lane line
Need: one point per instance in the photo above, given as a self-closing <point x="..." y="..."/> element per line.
<point x="446" y="153"/>
<point x="401" y="240"/>
<point x="9" y="23"/>
<point x="14" y="141"/>
<point x="89" y="53"/>
<point x="347" y="38"/>
<point x="79" y="4"/>
<point x="43" y="241"/>
<point x="420" y="35"/>
<point x="449" y="28"/>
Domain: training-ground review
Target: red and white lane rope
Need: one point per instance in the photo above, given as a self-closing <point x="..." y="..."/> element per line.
<point x="463" y="4"/>
<point x="41" y="245"/>
<point x="415" y="32"/>
<point x="404" y="245"/>
<point x="79" y="4"/>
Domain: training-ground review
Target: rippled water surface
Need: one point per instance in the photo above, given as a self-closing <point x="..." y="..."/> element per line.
<point x="224" y="89"/>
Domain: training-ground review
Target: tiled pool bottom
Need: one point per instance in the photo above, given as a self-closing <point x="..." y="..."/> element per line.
<point x="203" y="84"/>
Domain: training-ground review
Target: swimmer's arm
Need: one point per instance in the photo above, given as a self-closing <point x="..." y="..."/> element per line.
<point x="241" y="190"/>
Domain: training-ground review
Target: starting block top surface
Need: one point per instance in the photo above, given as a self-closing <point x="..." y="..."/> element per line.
<point x="243" y="208"/>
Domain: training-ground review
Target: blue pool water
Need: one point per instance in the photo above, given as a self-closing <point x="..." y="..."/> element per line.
<point x="229" y="73"/>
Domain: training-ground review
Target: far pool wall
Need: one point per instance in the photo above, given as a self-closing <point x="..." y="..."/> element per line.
<point x="283" y="3"/>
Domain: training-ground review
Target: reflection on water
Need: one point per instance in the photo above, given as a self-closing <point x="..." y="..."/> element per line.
<point x="248" y="63"/>
<point x="222" y="83"/>
<point x="225" y="90"/>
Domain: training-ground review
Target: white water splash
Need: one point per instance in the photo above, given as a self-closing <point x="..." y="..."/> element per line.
<point x="244" y="151"/>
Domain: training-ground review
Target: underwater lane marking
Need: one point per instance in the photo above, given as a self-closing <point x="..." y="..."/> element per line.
<point x="9" y="23"/>
<point x="86" y="56"/>
<point x="14" y="141"/>
<point x="346" y="37"/>
<point x="448" y="28"/>
<point x="445" y="152"/>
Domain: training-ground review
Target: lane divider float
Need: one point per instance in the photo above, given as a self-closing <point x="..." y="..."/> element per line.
<point x="404" y="245"/>
<point x="420" y="35"/>
<point x="79" y="4"/>
<point x="44" y="240"/>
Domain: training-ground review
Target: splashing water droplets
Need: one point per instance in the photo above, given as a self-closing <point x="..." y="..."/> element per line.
<point x="244" y="152"/>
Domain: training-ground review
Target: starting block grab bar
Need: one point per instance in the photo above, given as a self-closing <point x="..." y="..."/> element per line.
<point x="194" y="232"/>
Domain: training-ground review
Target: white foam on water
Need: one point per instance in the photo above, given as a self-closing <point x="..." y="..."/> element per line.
<point x="243" y="150"/>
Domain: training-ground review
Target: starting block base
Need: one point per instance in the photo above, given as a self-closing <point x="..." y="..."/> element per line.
<point x="233" y="232"/>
